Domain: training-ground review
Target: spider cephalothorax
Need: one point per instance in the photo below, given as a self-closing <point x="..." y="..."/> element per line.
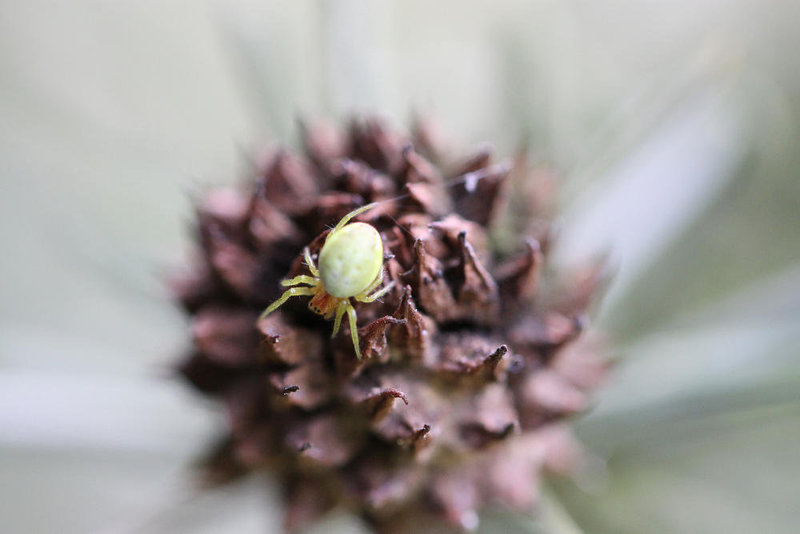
<point x="350" y="266"/>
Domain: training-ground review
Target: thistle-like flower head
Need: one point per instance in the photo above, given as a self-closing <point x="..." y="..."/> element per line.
<point x="471" y="361"/>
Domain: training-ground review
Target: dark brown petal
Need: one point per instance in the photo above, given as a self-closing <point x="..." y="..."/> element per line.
<point x="193" y="288"/>
<point x="580" y="287"/>
<point x="323" y="440"/>
<point x="245" y="404"/>
<point x="375" y="402"/>
<point x="383" y="485"/>
<point x="417" y="332"/>
<point x="255" y="445"/>
<point x="544" y="334"/>
<point x="407" y="427"/>
<point x="543" y="231"/>
<point x="224" y="208"/>
<point x="323" y="142"/>
<point x="373" y="337"/>
<point x="236" y="266"/>
<point x="417" y="227"/>
<point x="425" y="198"/>
<point x="488" y="416"/>
<point x="226" y="336"/>
<point x="409" y="424"/>
<point x="377" y="145"/>
<point x="354" y="176"/>
<point x="511" y="474"/>
<point x="270" y="226"/>
<point x="478" y="193"/>
<point x="434" y="293"/>
<point x="219" y="465"/>
<point x="306" y="386"/>
<point x="285" y="344"/>
<point x="467" y="355"/>
<point x="562" y="451"/>
<point x="518" y="278"/>
<point x="287" y="182"/>
<point x="478" y="294"/>
<point x="307" y="499"/>
<point x="417" y="169"/>
<point x="452" y="226"/>
<point x="206" y="376"/>
<point x="480" y="159"/>
<point x="545" y="393"/>
<point x="456" y="494"/>
<point x="583" y="362"/>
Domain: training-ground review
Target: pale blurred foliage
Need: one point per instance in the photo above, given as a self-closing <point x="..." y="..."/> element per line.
<point x="675" y="124"/>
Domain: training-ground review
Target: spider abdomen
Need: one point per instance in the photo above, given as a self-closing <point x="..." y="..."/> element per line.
<point x="350" y="260"/>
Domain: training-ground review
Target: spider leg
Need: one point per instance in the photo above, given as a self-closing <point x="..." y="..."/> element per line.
<point x="301" y="279"/>
<point x="310" y="262"/>
<point x="351" y="315"/>
<point x="364" y="296"/>
<point x="289" y="293"/>
<point x="375" y="283"/>
<point x="378" y="294"/>
<point x="340" y="309"/>
<point x="346" y="218"/>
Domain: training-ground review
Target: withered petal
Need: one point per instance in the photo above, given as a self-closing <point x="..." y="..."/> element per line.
<point x="434" y="293"/>
<point x="518" y="278"/>
<point x="287" y="182"/>
<point x="417" y="169"/>
<point x="269" y="226"/>
<point x="545" y="333"/>
<point x="307" y="499"/>
<point x="233" y="262"/>
<point x="423" y="197"/>
<point x="511" y="472"/>
<point x="477" y="195"/>
<point x="417" y="331"/>
<point x="324" y="143"/>
<point x="488" y="416"/>
<point x="452" y="226"/>
<point x="407" y="423"/>
<point x="478" y="295"/>
<point x="305" y="386"/>
<point x="480" y="158"/>
<point x="322" y="440"/>
<point x="377" y="145"/>
<point x="384" y="485"/>
<point x="547" y="391"/>
<point x="226" y="336"/>
<point x="455" y="493"/>
<point x="373" y="337"/>
<point x="285" y="344"/>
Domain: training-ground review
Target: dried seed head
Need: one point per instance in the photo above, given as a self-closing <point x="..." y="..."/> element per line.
<point x="468" y="368"/>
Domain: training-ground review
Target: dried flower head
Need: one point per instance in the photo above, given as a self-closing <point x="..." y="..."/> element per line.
<point x="470" y="362"/>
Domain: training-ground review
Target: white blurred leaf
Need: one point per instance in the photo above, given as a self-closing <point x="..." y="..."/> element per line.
<point x="656" y="192"/>
<point x="85" y="411"/>
<point x="734" y="475"/>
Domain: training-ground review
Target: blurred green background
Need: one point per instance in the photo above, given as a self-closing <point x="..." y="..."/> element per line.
<point x="675" y="125"/>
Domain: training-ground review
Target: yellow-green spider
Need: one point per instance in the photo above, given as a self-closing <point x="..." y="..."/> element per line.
<point x="350" y="266"/>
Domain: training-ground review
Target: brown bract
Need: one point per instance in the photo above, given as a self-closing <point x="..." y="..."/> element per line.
<point x="470" y="367"/>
